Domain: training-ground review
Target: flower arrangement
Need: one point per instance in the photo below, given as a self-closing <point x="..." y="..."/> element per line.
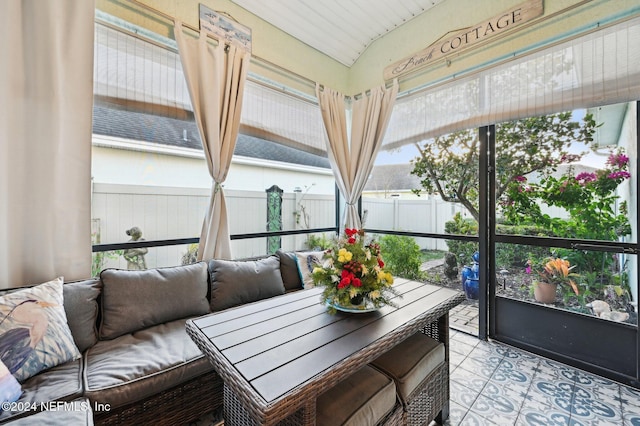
<point x="558" y="271"/>
<point x="353" y="274"/>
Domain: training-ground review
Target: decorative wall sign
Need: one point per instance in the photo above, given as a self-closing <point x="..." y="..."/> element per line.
<point x="224" y="28"/>
<point x="463" y="39"/>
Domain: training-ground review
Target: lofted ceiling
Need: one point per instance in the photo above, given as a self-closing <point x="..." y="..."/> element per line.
<point x="341" y="29"/>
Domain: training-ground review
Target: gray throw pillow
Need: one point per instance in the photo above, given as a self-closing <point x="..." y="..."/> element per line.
<point x="81" y="307"/>
<point x="237" y="282"/>
<point x="134" y="300"/>
<point x="289" y="270"/>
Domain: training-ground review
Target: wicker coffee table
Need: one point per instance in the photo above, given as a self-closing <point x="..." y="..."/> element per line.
<point x="277" y="355"/>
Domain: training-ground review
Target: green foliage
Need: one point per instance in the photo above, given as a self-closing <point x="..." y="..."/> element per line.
<point x="402" y="256"/>
<point x="589" y="199"/>
<point x="191" y="255"/>
<point x="318" y="242"/>
<point x="428" y="255"/>
<point x="100" y="259"/>
<point x="463" y="250"/>
<point x="448" y="165"/>
<point x="511" y="256"/>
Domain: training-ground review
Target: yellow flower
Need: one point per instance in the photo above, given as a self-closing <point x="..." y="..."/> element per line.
<point x="317" y="270"/>
<point x="374" y="294"/>
<point x="389" y="279"/>
<point x="344" y="255"/>
<point x="365" y="271"/>
<point x="381" y="275"/>
<point x="353" y="292"/>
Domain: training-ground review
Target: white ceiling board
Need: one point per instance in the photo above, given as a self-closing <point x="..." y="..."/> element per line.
<point x="341" y="29"/>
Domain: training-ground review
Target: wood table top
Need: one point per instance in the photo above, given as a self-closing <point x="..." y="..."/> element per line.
<point x="275" y="348"/>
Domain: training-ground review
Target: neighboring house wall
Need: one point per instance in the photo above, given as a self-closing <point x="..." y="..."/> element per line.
<point x="121" y="161"/>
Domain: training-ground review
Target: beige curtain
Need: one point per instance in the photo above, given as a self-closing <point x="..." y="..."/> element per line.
<point x="46" y="95"/>
<point x="352" y="160"/>
<point x="215" y="76"/>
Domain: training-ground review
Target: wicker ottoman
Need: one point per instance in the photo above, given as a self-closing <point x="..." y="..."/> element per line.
<point x="367" y="397"/>
<point x="418" y="368"/>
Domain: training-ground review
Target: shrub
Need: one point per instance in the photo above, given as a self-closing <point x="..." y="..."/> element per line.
<point x="402" y="256"/>
<point x="463" y="250"/>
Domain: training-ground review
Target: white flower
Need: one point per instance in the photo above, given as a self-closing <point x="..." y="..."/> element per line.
<point x="374" y="294"/>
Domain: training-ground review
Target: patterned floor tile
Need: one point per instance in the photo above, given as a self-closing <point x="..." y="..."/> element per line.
<point x="483" y="367"/>
<point x="505" y="395"/>
<point x="461" y="348"/>
<point x="465" y="338"/>
<point x="630" y="397"/>
<point x="589" y="409"/>
<point x="465" y="393"/>
<point x="500" y="411"/>
<point x="456" y="414"/>
<point x="474" y="419"/>
<point x="556" y="394"/>
<point x="630" y="415"/>
<point x="455" y="358"/>
<point x="550" y="417"/>
<point x="507" y="372"/>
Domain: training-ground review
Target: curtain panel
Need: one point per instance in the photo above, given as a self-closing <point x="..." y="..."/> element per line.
<point x="352" y="158"/>
<point x="46" y="81"/>
<point x="215" y="77"/>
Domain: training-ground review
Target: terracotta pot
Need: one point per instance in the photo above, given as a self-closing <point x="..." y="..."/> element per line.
<point x="544" y="292"/>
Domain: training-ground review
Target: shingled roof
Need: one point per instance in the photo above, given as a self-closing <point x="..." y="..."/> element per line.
<point x="392" y="177"/>
<point x="114" y="120"/>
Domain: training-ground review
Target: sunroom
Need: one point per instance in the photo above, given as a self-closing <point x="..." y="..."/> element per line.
<point x="503" y="145"/>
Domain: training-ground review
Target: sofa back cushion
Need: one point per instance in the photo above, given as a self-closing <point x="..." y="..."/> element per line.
<point x="289" y="270"/>
<point x="81" y="307"/>
<point x="236" y="282"/>
<point x="134" y="300"/>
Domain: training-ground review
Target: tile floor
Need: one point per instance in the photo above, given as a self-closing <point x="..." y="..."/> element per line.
<point x="493" y="383"/>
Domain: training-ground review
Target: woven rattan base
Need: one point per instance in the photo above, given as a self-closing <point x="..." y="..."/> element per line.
<point x="175" y="406"/>
<point x="429" y="398"/>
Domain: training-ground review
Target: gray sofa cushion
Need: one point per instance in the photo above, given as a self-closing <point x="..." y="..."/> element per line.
<point x="237" y="282"/>
<point x="74" y="413"/>
<point x="134" y="300"/>
<point x="81" y="307"/>
<point x="60" y="383"/>
<point x="289" y="270"/>
<point x="135" y="366"/>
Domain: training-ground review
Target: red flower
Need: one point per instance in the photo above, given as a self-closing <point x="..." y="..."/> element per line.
<point x="380" y="263"/>
<point x="356" y="282"/>
<point x="350" y="232"/>
<point x="351" y="240"/>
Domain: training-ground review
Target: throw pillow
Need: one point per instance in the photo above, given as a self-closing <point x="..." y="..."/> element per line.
<point x="134" y="300"/>
<point x="34" y="334"/>
<point x="307" y="260"/>
<point x="234" y="283"/>
<point x="10" y="389"/>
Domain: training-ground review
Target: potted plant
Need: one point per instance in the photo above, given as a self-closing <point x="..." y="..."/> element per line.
<point x="554" y="272"/>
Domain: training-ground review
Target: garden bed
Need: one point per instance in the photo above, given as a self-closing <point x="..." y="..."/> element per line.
<point x="517" y="286"/>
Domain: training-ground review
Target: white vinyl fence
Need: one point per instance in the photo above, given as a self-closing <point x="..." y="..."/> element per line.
<point x="169" y="213"/>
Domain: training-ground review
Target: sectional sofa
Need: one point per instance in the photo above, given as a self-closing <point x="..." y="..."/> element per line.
<point x="135" y="363"/>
